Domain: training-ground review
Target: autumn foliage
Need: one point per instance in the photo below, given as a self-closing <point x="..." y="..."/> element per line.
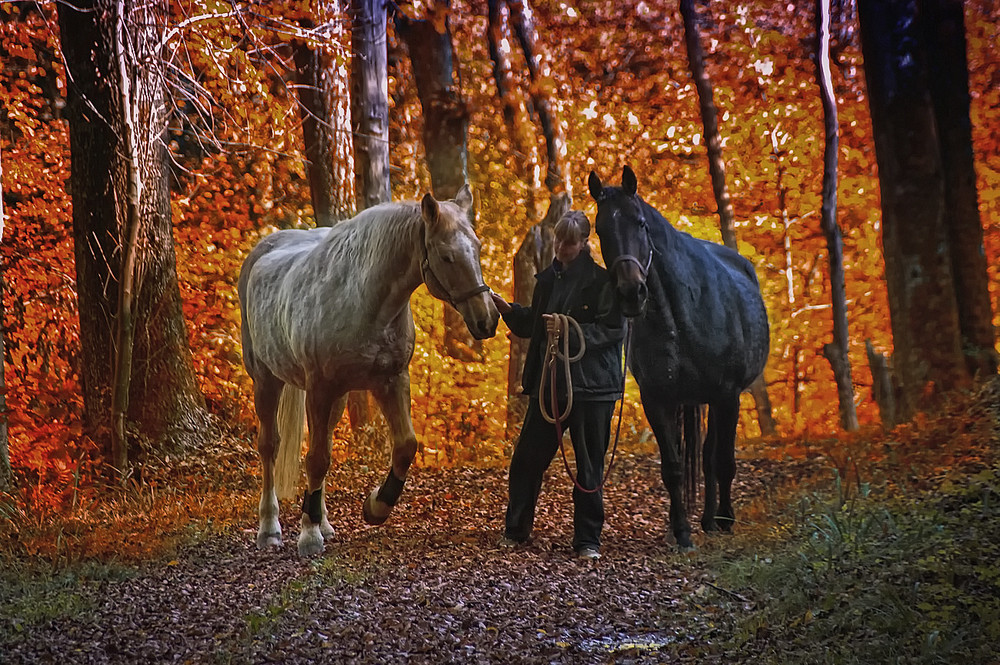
<point x="622" y="94"/>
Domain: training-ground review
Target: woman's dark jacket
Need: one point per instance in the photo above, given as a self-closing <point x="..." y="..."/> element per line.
<point x="583" y="291"/>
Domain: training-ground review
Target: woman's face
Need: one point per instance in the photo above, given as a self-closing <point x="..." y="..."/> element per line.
<point x="567" y="249"/>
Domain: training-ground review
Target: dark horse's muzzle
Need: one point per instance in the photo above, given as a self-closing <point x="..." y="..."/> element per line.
<point x="630" y="282"/>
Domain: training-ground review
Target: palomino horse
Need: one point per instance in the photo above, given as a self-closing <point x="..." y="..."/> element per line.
<point x="326" y="311"/>
<point x="699" y="336"/>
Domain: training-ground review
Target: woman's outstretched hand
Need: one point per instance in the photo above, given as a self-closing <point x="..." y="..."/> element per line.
<point x="502" y="305"/>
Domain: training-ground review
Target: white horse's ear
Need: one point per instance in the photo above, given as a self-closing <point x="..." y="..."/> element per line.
<point x="429" y="208"/>
<point x="629" y="184"/>
<point x="464" y="198"/>
<point x="595" y="185"/>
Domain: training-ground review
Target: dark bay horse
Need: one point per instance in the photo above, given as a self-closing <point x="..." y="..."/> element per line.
<point x="699" y="336"/>
<point x="325" y="311"/>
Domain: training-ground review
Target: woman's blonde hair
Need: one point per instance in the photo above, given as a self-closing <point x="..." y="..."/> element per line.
<point x="573" y="226"/>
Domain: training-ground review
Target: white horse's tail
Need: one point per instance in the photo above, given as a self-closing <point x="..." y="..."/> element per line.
<point x="291" y="416"/>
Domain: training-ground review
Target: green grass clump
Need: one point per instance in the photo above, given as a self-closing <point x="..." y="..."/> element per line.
<point x="913" y="579"/>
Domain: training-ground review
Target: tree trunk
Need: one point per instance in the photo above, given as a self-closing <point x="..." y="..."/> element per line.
<point x="165" y="408"/>
<point x="370" y="131"/>
<point x="533" y="256"/>
<point x="948" y="78"/>
<point x="524" y="28"/>
<point x="370" y="102"/>
<point x="717" y="170"/>
<point x="445" y="136"/>
<point x="313" y="82"/>
<point x="836" y="352"/>
<point x="522" y="144"/>
<point x="927" y="338"/>
<point x="883" y="387"/>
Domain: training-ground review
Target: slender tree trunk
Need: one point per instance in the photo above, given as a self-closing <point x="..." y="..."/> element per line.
<point x="312" y="77"/>
<point x="835" y="352"/>
<point x="445" y="135"/>
<point x="717" y="170"/>
<point x="927" y="337"/>
<point x="370" y="102"/>
<point x="523" y="24"/>
<point x="165" y="408"/>
<point x="369" y="93"/>
<point x="125" y="322"/>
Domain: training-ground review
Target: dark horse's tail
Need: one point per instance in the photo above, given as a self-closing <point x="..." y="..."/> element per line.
<point x="691" y="417"/>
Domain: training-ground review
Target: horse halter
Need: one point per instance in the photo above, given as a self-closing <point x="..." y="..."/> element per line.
<point x="426" y="272"/>
<point x="628" y="258"/>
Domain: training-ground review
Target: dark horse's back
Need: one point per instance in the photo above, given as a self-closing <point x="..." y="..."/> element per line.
<point x="705" y="331"/>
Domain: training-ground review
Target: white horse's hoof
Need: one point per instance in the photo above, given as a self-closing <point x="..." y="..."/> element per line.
<point x="266" y="540"/>
<point x="310" y="541"/>
<point x="374" y="511"/>
<point x="326" y="529"/>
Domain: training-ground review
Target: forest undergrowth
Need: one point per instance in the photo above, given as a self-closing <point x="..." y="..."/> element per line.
<point x="873" y="547"/>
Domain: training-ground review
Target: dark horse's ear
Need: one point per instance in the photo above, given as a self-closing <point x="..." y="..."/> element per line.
<point x="596" y="188"/>
<point x="429" y="208"/>
<point x="629" y="184"/>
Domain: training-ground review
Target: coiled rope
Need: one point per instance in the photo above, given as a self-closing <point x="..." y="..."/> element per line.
<point x="553" y="355"/>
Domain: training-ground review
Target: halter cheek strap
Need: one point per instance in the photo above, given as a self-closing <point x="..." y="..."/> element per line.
<point x="438" y="289"/>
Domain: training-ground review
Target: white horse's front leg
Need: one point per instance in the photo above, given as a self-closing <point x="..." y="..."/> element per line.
<point x="322" y="407"/>
<point x="394" y="399"/>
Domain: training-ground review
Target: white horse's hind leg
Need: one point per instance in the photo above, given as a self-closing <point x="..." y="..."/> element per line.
<point x="394" y="398"/>
<point x="267" y="390"/>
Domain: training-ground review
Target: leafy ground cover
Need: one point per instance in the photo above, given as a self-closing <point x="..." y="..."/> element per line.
<point x="876" y="548"/>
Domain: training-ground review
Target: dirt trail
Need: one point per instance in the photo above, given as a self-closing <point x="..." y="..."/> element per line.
<point x="430" y="586"/>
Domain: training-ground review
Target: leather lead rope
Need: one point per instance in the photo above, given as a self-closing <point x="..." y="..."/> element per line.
<point x="549" y="370"/>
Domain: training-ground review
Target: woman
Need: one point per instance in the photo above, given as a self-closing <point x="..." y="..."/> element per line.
<point x="576" y="286"/>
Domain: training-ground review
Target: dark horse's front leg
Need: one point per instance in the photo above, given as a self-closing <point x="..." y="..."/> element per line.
<point x="663" y="419"/>
<point x="394" y="398"/>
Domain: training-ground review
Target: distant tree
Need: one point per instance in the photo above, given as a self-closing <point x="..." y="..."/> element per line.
<point x="835" y="351"/>
<point x="717" y="171"/>
<point x="932" y="236"/>
<point x="165" y="409"/>
<point x="445" y="134"/>
<point x="536" y="249"/>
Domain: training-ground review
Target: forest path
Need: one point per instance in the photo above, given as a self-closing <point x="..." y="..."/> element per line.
<point x="430" y="586"/>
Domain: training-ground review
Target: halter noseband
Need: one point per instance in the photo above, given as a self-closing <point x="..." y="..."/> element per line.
<point x="426" y="271"/>
<point x="628" y="258"/>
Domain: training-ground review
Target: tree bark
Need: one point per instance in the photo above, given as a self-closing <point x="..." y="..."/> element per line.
<point x="883" y="387"/>
<point x="717" y="171"/>
<point x="312" y="78"/>
<point x="166" y="411"/>
<point x="836" y="352"/>
<point x="927" y="337"/>
<point x="524" y="27"/>
<point x="370" y="133"/>
<point x="948" y="78"/>
<point x="370" y="102"/>
<point x="445" y="135"/>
